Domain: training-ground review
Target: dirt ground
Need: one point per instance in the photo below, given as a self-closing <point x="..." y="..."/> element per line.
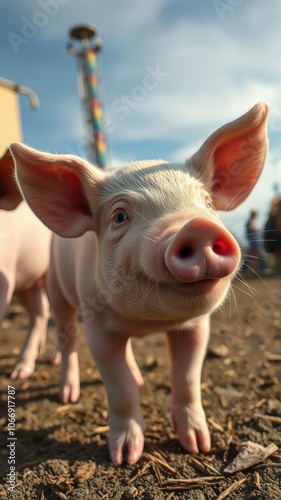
<point x="61" y="450"/>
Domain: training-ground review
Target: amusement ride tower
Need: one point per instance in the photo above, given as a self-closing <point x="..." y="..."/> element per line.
<point x="90" y="88"/>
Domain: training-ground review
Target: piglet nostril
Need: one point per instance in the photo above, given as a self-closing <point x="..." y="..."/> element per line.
<point x="202" y="249"/>
<point x="221" y="247"/>
<point x="186" y="251"/>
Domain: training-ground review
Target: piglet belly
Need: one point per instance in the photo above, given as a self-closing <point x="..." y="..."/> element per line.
<point x="72" y="262"/>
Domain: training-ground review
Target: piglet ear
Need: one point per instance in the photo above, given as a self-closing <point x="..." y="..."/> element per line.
<point x="231" y="160"/>
<point x="10" y="195"/>
<point x="55" y="187"/>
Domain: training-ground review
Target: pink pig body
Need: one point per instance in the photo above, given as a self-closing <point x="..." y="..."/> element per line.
<point x="139" y="250"/>
<point x="24" y="260"/>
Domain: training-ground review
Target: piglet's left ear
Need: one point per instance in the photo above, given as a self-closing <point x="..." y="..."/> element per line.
<point x="231" y="160"/>
<point x="60" y="189"/>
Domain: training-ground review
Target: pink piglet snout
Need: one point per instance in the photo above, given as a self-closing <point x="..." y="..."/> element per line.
<point x="202" y="249"/>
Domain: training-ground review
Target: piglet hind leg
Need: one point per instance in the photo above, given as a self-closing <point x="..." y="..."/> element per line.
<point x="114" y="359"/>
<point x="67" y="333"/>
<point x="36" y="303"/>
<point x="69" y="391"/>
<point x="187" y="349"/>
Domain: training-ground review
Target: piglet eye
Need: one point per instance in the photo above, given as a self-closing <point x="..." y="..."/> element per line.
<point x="121" y="217"/>
<point x="208" y="202"/>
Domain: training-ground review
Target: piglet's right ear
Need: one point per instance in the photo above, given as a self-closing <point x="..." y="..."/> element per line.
<point x="231" y="159"/>
<point x="55" y="188"/>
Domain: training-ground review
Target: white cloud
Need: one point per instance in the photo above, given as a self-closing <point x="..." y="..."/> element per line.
<point x="216" y="71"/>
<point x="117" y="22"/>
<point x="211" y="80"/>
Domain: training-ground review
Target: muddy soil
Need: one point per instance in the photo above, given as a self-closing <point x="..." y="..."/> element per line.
<point x="61" y="450"/>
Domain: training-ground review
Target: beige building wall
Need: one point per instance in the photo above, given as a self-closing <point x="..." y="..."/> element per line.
<point x="10" y="123"/>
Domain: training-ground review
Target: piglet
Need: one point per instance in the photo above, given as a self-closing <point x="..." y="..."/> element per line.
<point x="141" y="249"/>
<point x="24" y="260"/>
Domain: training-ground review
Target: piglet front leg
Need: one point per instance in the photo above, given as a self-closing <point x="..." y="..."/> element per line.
<point x="37" y="306"/>
<point x="188" y="348"/>
<point x="114" y="358"/>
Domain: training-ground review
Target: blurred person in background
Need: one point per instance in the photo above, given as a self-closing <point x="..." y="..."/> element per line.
<point x="256" y="244"/>
<point x="272" y="235"/>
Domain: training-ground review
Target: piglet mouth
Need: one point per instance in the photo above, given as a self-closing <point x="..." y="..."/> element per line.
<point x="195" y="288"/>
<point x="186" y="289"/>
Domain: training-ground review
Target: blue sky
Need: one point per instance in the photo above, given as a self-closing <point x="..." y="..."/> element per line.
<point x="213" y="60"/>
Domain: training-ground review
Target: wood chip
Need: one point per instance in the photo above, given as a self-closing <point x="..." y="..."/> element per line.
<point x="85" y="472"/>
<point x="230" y="392"/>
<point x="250" y="454"/>
<point x="101" y="429"/>
<point x="90" y="370"/>
<point x="161" y="455"/>
<point x="271" y="418"/>
<point x="215" y="424"/>
<point x="226" y="452"/>
<point x="197" y="464"/>
<point x="230" y="425"/>
<point x="257" y="479"/>
<point x="150" y="362"/>
<point x="231" y="488"/>
<point x="212" y="469"/>
<point x="25" y="386"/>
<point x="229" y="373"/>
<point x="140" y="472"/>
<point x="157" y="472"/>
<point x="161" y="462"/>
<point x="258" y="404"/>
<point x="131" y="492"/>
<point x="272" y="357"/>
<point x="188" y="484"/>
<point x="197" y="480"/>
<point x="223" y="401"/>
<point x="170" y="496"/>
<point x="70" y="408"/>
<point x="268" y="382"/>
<point x="44" y="375"/>
<point x="203" y="466"/>
<point x="181" y="487"/>
<point x="267" y="464"/>
<point x="220" y="351"/>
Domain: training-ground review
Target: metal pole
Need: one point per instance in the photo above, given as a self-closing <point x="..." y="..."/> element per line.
<point x="34" y="100"/>
<point x="89" y="86"/>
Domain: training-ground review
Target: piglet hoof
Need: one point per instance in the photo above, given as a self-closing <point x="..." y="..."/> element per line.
<point x="70" y="379"/>
<point x="191" y="428"/>
<point x="22" y="370"/>
<point x="56" y="359"/>
<point x="70" y="388"/>
<point x="125" y="442"/>
<point x="69" y="393"/>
